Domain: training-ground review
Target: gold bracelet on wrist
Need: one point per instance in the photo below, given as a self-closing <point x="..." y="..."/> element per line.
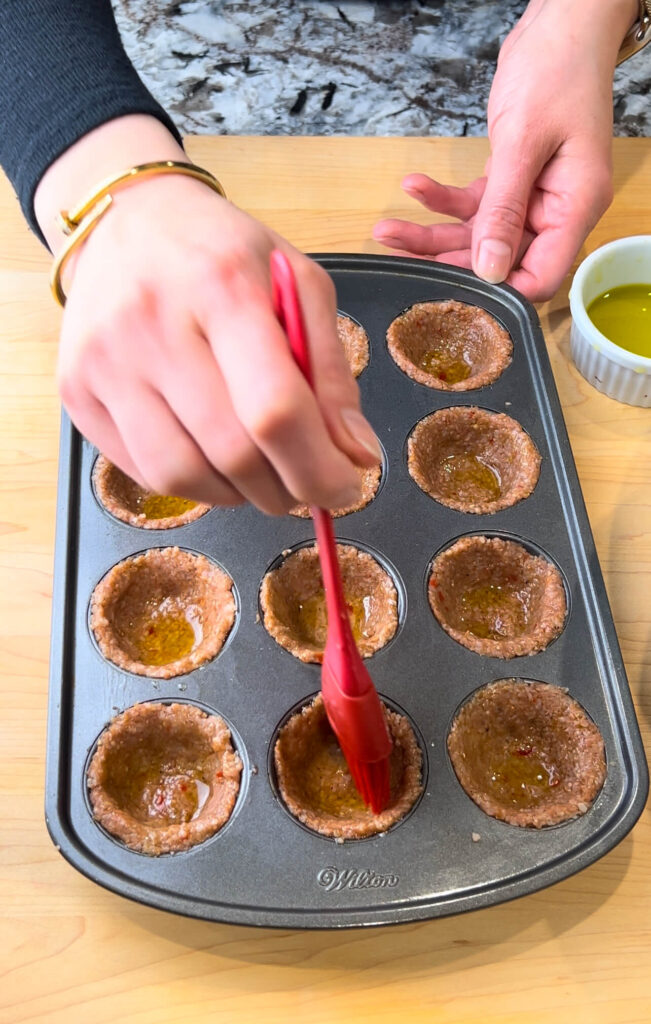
<point x="639" y="35"/>
<point x="78" y="223"/>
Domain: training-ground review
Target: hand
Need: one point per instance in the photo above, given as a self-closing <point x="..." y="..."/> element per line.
<point x="172" y="362"/>
<point x="549" y="179"/>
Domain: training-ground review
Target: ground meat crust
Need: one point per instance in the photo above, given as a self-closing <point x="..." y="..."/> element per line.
<point x="464" y="331"/>
<point x="298" y="579"/>
<point x="477" y="561"/>
<point x="354" y="339"/>
<point x="509" y="713"/>
<point x="162" y="734"/>
<point x="496" y="439"/>
<point x="163" y="576"/>
<point x="370" y="479"/>
<point x="294" y="750"/>
<point x="122" y="497"/>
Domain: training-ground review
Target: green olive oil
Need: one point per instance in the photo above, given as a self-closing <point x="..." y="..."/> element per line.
<point x="623" y="315"/>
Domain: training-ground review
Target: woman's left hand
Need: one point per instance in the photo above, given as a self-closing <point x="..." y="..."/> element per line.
<point x="548" y="179"/>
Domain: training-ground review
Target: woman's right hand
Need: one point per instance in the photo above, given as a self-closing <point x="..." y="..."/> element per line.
<point x="173" y="364"/>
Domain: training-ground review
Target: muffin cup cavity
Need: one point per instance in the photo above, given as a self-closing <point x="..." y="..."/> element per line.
<point x="473" y="460"/>
<point x="354" y="339"/>
<point x="495" y="597"/>
<point x="292" y="602"/>
<point x="163" y="612"/>
<point x="316" y="786"/>
<point x="527" y="753"/>
<point x="450" y="346"/>
<point x="127" y="501"/>
<point x="163" y="777"/>
<point x="370" y="482"/>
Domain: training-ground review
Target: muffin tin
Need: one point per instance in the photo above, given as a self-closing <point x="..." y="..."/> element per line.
<point x="446" y="856"/>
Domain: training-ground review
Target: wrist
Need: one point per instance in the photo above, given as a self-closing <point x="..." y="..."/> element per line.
<point x="598" y="25"/>
<point x="621" y="13"/>
<point x="109" y="149"/>
<point x="84" y="220"/>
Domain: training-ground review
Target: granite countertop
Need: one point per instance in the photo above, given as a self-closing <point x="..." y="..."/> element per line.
<point x="356" y="67"/>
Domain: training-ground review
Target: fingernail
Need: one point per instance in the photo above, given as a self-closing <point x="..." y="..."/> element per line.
<point x="386" y="239"/>
<point x="493" y="260"/>
<point x="361" y="431"/>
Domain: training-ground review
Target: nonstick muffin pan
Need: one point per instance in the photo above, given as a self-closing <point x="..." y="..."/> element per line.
<point x="447" y="855"/>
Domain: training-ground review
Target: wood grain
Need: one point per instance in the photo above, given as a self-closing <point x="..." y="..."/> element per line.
<point x="578" y="952"/>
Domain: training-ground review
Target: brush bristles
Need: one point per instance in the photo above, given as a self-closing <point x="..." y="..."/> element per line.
<point x="372" y="781"/>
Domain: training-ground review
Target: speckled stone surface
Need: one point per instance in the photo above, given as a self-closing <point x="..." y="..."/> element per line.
<point x="357" y="67"/>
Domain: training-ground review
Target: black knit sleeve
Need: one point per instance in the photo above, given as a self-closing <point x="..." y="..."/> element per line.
<point x="63" y="72"/>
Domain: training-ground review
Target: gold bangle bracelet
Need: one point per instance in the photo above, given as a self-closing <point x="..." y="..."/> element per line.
<point x="78" y="223"/>
<point x="639" y="35"/>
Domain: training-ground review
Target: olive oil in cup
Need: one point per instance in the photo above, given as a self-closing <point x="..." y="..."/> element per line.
<point x="610" y="302"/>
<point x="623" y="315"/>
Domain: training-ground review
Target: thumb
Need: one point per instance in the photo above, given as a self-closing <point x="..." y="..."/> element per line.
<point x="500" y="220"/>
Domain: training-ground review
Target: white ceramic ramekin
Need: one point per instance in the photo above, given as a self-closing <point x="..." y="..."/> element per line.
<point x="609" y="368"/>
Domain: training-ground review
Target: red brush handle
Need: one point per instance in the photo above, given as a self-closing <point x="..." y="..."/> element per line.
<point x="351" y="701"/>
<point x="288" y="310"/>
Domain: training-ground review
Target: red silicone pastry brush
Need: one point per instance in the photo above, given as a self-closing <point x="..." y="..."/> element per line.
<point x="350" y="698"/>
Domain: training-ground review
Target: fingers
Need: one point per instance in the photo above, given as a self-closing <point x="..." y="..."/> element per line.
<point x="270" y="397"/>
<point x="230" y="418"/>
<point x="110" y="377"/>
<point x="447" y="199"/>
<point x="166" y="457"/>
<point x="500" y="220"/>
<point x="336" y="389"/>
<point x="195" y="391"/>
<point x="572" y="194"/>
<point x="547" y="261"/>
<point x="444" y="243"/>
<point x="461" y="258"/>
<point x="93" y="420"/>
<point x="418" y="240"/>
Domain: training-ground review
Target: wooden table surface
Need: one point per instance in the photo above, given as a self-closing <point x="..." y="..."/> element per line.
<point x="71" y="952"/>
